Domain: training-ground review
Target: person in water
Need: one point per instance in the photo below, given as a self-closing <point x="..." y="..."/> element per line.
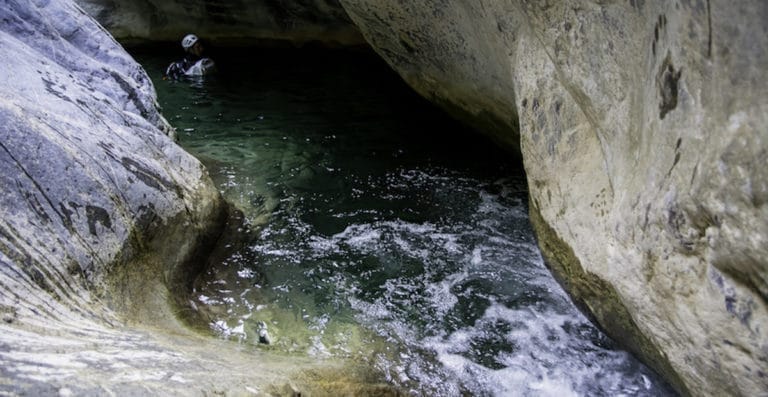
<point x="194" y="63"/>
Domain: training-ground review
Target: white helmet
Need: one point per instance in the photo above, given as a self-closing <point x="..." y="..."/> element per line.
<point x="188" y="41"/>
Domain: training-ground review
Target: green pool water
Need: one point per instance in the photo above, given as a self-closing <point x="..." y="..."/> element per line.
<point x="379" y="231"/>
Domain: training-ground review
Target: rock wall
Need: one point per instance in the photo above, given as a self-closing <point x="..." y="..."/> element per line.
<point x="103" y="218"/>
<point x="101" y="213"/>
<point x="642" y="125"/>
<point x="88" y="178"/>
<point x="456" y="55"/>
<point x="229" y="21"/>
<point x="90" y="184"/>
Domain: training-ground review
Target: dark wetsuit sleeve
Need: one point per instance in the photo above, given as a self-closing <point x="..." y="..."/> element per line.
<point x="177" y="69"/>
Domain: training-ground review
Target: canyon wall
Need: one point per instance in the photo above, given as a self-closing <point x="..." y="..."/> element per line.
<point x="642" y="125"/>
<point x="102" y="216"/>
<point x="227" y="21"/>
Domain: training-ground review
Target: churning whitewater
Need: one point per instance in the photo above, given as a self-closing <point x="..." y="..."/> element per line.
<point x="374" y="231"/>
<point x="461" y="303"/>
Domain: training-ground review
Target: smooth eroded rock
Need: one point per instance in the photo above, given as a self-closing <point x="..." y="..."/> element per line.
<point x="642" y="125"/>
<point x="101" y="213"/>
<point x="103" y="221"/>
<point x="90" y="180"/>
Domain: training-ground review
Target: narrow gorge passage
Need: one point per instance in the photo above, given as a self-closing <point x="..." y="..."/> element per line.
<point x="379" y="230"/>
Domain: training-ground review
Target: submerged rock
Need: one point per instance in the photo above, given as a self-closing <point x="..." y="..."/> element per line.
<point x="642" y="128"/>
<point x="264" y="334"/>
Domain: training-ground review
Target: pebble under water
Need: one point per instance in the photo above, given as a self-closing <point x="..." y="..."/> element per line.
<point x="379" y="231"/>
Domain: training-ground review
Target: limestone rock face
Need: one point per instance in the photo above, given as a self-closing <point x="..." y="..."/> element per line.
<point x="101" y="216"/>
<point x="298" y="22"/>
<point x="89" y="178"/>
<point x="97" y="205"/>
<point x="456" y="54"/>
<point x="642" y="125"/>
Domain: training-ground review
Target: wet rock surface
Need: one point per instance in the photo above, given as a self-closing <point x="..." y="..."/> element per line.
<point x="641" y="125"/>
<point x="102" y="215"/>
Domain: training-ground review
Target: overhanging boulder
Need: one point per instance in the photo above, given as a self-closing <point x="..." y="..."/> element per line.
<point x="642" y="125"/>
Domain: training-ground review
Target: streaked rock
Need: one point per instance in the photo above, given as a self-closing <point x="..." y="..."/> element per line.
<point x="642" y="125"/>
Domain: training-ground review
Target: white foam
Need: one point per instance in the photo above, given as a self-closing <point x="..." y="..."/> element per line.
<point x="477" y="256"/>
<point x="544" y="359"/>
<point x="377" y="310"/>
<point x="317" y="348"/>
<point x="221" y="328"/>
<point x="441" y="296"/>
<point x="366" y="238"/>
<point x="246" y="273"/>
<point x="207" y="300"/>
<point x="282" y="288"/>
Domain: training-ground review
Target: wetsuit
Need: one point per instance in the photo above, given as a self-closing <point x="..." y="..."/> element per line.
<point x="191" y="65"/>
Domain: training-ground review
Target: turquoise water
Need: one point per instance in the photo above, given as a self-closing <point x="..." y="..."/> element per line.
<point x="381" y="232"/>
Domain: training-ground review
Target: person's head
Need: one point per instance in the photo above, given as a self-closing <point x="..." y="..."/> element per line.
<point x="192" y="45"/>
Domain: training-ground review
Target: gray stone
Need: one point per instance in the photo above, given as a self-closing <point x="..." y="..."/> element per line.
<point x="89" y="178"/>
<point x="101" y="216"/>
<point x="642" y="125"/>
<point x="104" y="221"/>
<point x="454" y="54"/>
